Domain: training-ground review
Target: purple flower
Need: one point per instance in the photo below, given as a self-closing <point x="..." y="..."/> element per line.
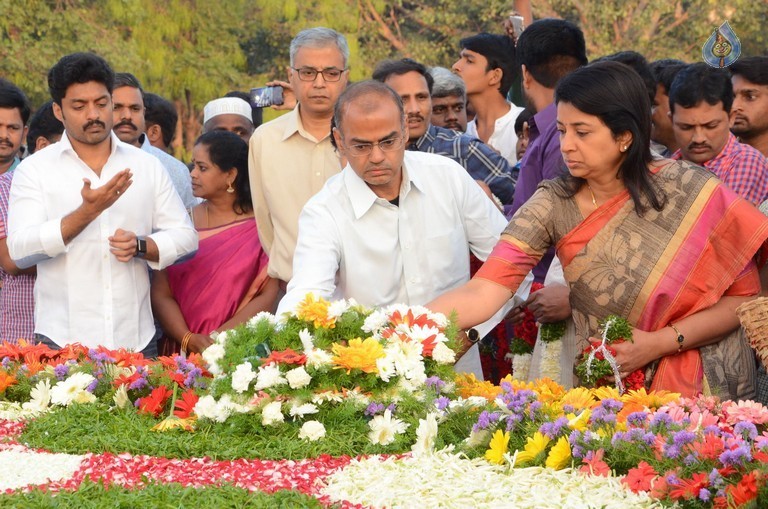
<point x="392" y="408"/>
<point x="713" y="429"/>
<point x="577" y="451"/>
<point x="139" y="383"/>
<point x="484" y="420"/>
<point x="553" y="429"/>
<point x="569" y="409"/>
<point x="704" y="495"/>
<point x="611" y="404"/>
<point x="660" y="419"/>
<point x="61" y="371"/>
<point x="506" y="386"/>
<point x="435" y="383"/>
<point x="736" y="457"/>
<point x="513" y="420"/>
<point x="671" y="451"/>
<point x="715" y="478"/>
<point x="92" y="386"/>
<point x="745" y="429"/>
<point x="690" y="460"/>
<point x="574" y="437"/>
<point x="637" y="418"/>
<point x="533" y="408"/>
<point x="374" y="408"/>
<point x="680" y="438"/>
<point x="601" y="415"/>
<point x="6" y="361"/>
<point x="442" y="403"/>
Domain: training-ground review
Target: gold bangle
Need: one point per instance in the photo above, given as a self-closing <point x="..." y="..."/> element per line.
<point x="680" y="337"/>
<point x="185" y="341"/>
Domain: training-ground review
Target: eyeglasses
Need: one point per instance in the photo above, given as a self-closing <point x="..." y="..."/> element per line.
<point x="310" y="74"/>
<point x="388" y="145"/>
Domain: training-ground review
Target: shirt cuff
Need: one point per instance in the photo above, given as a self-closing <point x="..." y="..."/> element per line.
<point x="166" y="251"/>
<point x="50" y="238"/>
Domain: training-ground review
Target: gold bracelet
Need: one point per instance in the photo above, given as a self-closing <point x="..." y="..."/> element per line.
<point x="185" y="341"/>
<point x="680" y="338"/>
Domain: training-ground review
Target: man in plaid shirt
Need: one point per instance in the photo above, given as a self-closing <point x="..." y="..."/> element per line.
<point x="700" y="101"/>
<point x="413" y="83"/>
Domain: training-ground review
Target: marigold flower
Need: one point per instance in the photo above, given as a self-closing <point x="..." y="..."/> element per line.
<point x="315" y="310"/>
<point x="6" y="381"/>
<point x="359" y="354"/>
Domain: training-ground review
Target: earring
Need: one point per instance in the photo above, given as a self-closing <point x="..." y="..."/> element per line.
<point x="230" y="189"/>
<point x="624" y="148"/>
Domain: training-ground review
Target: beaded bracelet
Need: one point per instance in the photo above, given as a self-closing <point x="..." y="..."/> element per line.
<point x="680" y="338"/>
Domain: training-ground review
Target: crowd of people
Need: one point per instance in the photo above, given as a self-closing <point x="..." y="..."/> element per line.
<point x="629" y="187"/>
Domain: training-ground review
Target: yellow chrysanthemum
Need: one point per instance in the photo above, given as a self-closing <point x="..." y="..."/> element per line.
<point x="578" y="398"/>
<point x="652" y="400"/>
<point x="467" y="385"/>
<point x="315" y="310"/>
<point x="498" y="447"/>
<point x="606" y="392"/>
<point x="559" y="455"/>
<point x="548" y="390"/>
<point x="359" y="354"/>
<point x="534" y="446"/>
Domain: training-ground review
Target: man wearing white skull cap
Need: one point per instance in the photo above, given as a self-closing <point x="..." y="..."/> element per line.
<point x="229" y="114"/>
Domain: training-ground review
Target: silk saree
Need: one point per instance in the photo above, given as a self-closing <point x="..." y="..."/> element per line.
<point x="653" y="269"/>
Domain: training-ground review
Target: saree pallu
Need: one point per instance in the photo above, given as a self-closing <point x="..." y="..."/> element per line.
<point x="653" y="269"/>
<point x="228" y="270"/>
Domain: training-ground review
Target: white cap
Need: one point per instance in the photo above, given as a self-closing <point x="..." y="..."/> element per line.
<point x="227" y="105"/>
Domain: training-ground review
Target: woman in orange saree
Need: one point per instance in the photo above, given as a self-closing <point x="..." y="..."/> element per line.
<point x="675" y="252"/>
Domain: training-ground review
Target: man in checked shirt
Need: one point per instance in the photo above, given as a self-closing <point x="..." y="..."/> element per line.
<point x="413" y="83"/>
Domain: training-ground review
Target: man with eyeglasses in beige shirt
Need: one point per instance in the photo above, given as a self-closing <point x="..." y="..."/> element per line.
<point x="291" y="157"/>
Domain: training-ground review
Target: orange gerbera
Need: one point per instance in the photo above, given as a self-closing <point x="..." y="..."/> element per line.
<point x="652" y="400"/>
<point x="155" y="403"/>
<point x="6" y="381"/>
<point x="186" y="404"/>
<point x="467" y="385"/>
<point x="359" y="354"/>
<point x="287" y="356"/>
<point x="408" y="319"/>
<point x="315" y="310"/>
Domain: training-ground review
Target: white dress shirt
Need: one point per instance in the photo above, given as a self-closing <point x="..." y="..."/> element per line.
<point x="504" y="137"/>
<point x="83" y="293"/>
<point x="353" y="244"/>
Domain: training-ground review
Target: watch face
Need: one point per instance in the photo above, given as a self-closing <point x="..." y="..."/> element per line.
<point x="141" y="246"/>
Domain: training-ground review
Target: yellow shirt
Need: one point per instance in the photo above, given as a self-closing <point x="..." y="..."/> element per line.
<point x="286" y="166"/>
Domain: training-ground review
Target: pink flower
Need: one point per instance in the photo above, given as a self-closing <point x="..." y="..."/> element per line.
<point x="747" y="410"/>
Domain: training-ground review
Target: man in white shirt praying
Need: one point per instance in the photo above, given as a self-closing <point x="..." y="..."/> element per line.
<point x="393" y="226"/>
<point x="93" y="212"/>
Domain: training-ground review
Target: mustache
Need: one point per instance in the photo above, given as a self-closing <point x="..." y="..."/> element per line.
<point x="416" y="116"/>
<point x="125" y="122"/>
<point x="698" y="145"/>
<point x="94" y="123"/>
<point x="6" y="142"/>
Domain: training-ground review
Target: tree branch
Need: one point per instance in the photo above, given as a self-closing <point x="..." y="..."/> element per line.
<point x="385" y="31"/>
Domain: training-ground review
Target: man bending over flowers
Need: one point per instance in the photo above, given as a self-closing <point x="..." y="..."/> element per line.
<point x="393" y="226"/>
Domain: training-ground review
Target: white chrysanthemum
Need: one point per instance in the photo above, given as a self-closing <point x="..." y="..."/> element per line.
<point x="385" y="427"/>
<point x="331" y="396"/>
<point x="478" y="438"/>
<point x="337" y="308"/>
<point x="271" y="414"/>
<point x="406" y="356"/>
<point x="213" y="354"/>
<point x="425" y="435"/>
<point x="220" y="338"/>
<point x="302" y="410"/>
<point x="72" y="390"/>
<point x="224" y="408"/>
<point x="269" y="376"/>
<point x="298" y="378"/>
<point x="262" y="315"/>
<point x="312" y="430"/>
<point x="421" y="333"/>
<point x="318" y="358"/>
<point x="205" y="408"/>
<point x="375" y="321"/>
<point x="386" y="367"/>
<point x="242" y="377"/>
<point x="121" y="398"/>
<point x="443" y="355"/>
<point x="440" y="319"/>
<point x="307" y="340"/>
<point x="40" y="397"/>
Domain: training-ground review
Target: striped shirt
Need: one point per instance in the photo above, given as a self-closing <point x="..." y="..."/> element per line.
<point x="480" y="160"/>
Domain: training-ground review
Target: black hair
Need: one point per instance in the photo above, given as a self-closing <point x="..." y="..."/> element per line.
<point x="228" y="150"/>
<point x="126" y="79"/>
<point x="78" y="68"/>
<point x="43" y="123"/>
<point x="387" y="68"/>
<point x="523" y="117"/>
<point x="620" y="100"/>
<point x="162" y="112"/>
<point x="701" y="82"/>
<point x="664" y="72"/>
<point x="360" y="89"/>
<point x="551" y="48"/>
<point x="12" y="97"/>
<point x="639" y="64"/>
<point x="499" y="51"/>
<point x="753" y="69"/>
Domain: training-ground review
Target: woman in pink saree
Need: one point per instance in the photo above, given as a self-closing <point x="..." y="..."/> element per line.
<point x="225" y="283"/>
<point x="662" y="243"/>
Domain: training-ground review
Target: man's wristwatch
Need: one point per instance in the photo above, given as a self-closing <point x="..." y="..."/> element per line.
<point x="141" y="247"/>
<point x="473" y="335"/>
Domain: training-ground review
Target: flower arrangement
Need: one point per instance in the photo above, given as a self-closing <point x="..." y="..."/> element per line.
<point x="35" y="379"/>
<point x="597" y="361"/>
<point x="690" y="452"/>
<point x="295" y="369"/>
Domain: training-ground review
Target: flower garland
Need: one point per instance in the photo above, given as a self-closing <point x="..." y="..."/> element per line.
<point x="551" y="335"/>
<point x="597" y="361"/>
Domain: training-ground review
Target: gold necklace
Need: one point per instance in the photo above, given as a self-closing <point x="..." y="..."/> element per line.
<point x="594" y="201"/>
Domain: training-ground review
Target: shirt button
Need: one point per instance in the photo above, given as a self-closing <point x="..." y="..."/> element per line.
<point x="317" y="174"/>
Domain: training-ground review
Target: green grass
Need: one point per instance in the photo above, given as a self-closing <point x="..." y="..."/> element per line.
<point x="160" y="496"/>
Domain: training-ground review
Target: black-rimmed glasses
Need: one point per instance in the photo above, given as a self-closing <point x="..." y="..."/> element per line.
<point x="310" y="73"/>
